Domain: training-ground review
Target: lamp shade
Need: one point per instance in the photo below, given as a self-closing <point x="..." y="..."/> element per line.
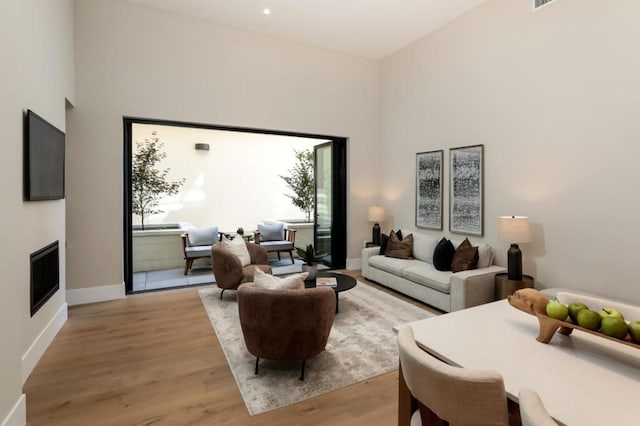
<point x="376" y="214"/>
<point x="514" y="229"/>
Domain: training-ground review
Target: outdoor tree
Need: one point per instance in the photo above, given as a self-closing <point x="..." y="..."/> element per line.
<point x="301" y="181"/>
<point x="148" y="183"/>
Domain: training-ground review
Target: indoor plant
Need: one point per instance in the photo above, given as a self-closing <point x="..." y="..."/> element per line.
<point x="311" y="257"/>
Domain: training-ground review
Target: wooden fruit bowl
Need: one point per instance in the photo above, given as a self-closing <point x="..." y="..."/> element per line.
<point x="533" y="302"/>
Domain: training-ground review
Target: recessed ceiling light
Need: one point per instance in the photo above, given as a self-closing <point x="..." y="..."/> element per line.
<point x="266" y="11"/>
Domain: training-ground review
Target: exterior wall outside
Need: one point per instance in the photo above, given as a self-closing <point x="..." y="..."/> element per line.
<point x="137" y="61"/>
<point x="233" y="184"/>
<point x="553" y="96"/>
<point x="36" y="52"/>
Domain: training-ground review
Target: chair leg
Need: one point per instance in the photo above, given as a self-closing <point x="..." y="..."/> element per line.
<point x="257" y="360"/>
<point x="186" y="266"/>
<point x="302" y="372"/>
<point x="279" y="256"/>
<point x="221" y="293"/>
<point x="291" y="256"/>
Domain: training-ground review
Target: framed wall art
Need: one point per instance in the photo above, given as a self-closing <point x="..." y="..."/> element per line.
<point x="466" y="190"/>
<point x="429" y="189"/>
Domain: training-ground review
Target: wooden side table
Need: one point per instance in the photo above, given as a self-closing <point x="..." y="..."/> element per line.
<point x="505" y="287"/>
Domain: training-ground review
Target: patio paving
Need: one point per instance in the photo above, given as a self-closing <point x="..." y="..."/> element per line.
<point x="169" y="278"/>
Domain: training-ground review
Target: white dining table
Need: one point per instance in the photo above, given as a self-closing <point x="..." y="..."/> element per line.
<point x="582" y="379"/>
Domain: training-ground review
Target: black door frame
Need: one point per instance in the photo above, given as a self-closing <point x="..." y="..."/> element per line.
<point x="339" y="176"/>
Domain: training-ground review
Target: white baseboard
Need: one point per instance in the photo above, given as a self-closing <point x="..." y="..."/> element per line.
<point x="354" y="263"/>
<point x="42" y="342"/>
<point x="18" y="414"/>
<point x="105" y="293"/>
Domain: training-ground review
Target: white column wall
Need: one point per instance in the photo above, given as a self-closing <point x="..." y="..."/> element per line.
<point x="137" y="61"/>
<point x="36" y="54"/>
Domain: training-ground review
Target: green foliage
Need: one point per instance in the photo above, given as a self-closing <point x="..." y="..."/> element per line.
<point x="309" y="255"/>
<point x="301" y="181"/>
<point x="148" y="184"/>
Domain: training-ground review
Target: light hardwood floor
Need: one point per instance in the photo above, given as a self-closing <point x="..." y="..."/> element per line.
<point x="154" y="359"/>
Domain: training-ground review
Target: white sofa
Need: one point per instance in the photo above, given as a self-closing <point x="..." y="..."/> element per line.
<point x="419" y="279"/>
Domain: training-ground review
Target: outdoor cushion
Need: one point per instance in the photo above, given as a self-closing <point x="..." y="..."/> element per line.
<point x="392" y="265"/>
<point x="203" y="237"/>
<point x="197" y="251"/>
<point x="271" y="231"/>
<point x="276" y="245"/>
<point x="428" y="276"/>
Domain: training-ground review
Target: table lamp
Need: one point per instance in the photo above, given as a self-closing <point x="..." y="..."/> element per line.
<point x="376" y="214"/>
<point x="514" y="230"/>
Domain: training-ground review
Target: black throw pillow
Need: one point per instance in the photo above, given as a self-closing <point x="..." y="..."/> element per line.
<point x="384" y="240"/>
<point x="399" y="235"/>
<point x="443" y="255"/>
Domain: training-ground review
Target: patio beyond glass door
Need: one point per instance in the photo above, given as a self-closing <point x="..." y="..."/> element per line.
<point x="323" y="199"/>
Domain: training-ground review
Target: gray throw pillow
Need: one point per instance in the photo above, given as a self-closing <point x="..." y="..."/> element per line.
<point x="203" y="237"/>
<point x="271" y="231"/>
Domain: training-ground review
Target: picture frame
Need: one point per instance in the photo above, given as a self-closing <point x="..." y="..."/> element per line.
<point x="429" y="177"/>
<point x="466" y="190"/>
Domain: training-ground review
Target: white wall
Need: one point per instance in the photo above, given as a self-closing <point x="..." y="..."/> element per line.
<point x="234" y="184"/>
<point x="36" y="53"/>
<point x="137" y="61"/>
<point x="553" y="95"/>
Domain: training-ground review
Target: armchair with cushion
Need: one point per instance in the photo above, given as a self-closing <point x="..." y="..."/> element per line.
<point x="196" y="244"/>
<point x="275" y="237"/>
<point x="286" y="324"/>
<point x="229" y="269"/>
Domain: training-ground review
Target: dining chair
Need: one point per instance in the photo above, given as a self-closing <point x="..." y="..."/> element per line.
<point x="532" y="410"/>
<point x="450" y="395"/>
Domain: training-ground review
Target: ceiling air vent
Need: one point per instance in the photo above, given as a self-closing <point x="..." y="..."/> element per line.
<point x="537" y="4"/>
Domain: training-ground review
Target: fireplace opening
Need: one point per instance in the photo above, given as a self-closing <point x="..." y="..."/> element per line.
<point x="45" y="275"/>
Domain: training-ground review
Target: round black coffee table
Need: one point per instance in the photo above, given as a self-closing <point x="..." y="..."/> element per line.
<point x="345" y="282"/>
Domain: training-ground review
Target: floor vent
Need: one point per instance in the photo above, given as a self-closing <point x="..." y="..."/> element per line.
<point x="537" y="4"/>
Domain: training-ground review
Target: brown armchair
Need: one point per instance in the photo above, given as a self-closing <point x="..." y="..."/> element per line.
<point x="228" y="269"/>
<point x="289" y="325"/>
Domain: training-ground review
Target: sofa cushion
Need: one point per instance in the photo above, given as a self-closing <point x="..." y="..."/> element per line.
<point x="425" y="274"/>
<point x="465" y="257"/>
<point x="402" y="249"/>
<point x="384" y="240"/>
<point x="485" y="256"/>
<point x="202" y="237"/>
<point x="423" y="247"/>
<point x="443" y="255"/>
<point x="271" y="231"/>
<point x="391" y="264"/>
<point x="238" y="247"/>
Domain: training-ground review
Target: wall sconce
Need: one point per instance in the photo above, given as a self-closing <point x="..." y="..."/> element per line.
<point x="376" y="214"/>
<point x="202" y="147"/>
<point x="514" y="230"/>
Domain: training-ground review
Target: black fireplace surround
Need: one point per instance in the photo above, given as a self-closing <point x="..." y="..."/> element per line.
<point x="45" y="275"/>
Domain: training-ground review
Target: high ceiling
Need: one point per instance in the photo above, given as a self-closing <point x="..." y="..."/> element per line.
<point x="369" y="28"/>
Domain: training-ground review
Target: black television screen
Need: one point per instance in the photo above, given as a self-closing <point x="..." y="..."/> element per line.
<point x="44" y="159"/>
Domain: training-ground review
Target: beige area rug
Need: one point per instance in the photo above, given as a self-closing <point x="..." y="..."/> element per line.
<point x="362" y="344"/>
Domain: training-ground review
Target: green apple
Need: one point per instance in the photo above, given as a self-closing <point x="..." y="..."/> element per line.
<point x="614" y="327"/>
<point x="589" y="319"/>
<point x="574" y="308"/>
<point x="634" y="331"/>
<point x="557" y="310"/>
<point x="611" y="312"/>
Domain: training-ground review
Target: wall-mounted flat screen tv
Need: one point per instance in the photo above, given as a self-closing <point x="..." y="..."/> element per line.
<point x="44" y="159"/>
